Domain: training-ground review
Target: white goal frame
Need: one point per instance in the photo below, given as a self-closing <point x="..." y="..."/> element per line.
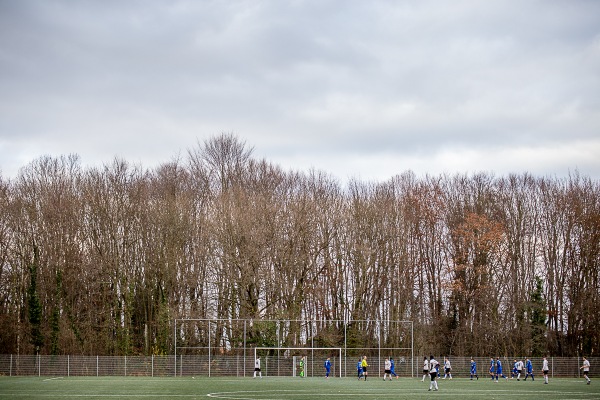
<point x="306" y="349"/>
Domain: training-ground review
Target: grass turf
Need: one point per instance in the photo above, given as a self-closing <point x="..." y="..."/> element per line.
<point x="20" y="388"/>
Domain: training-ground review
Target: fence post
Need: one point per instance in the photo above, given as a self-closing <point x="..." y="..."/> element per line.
<point x="97" y="366"/>
<point x="153" y="365"/>
<point x="412" y="348"/>
<point x="345" y="348"/>
<point x="175" y="345"/>
<point x="39" y="365"/>
<point x="68" y="365"/>
<point x="10" y="368"/>
<point x="125" y="365"/>
<point x="378" y="348"/>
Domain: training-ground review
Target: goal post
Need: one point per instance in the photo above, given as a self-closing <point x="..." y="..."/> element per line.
<point x="299" y="361"/>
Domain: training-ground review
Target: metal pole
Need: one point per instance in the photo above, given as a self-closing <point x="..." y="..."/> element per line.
<point x="209" y="332"/>
<point x="345" y="347"/>
<point x="340" y="362"/>
<point x="244" y="348"/>
<point x="379" y="349"/>
<point x="412" y="348"/>
<point x="312" y="352"/>
<point x="175" y="342"/>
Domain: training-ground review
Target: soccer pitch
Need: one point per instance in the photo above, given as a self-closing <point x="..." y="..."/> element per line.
<point x="20" y="388"/>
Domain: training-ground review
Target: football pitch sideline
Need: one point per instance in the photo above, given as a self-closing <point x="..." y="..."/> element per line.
<point x="20" y="388"/>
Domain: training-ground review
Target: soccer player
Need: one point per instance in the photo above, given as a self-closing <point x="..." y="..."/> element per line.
<point x="519" y="369"/>
<point x="365" y="365"/>
<point x="513" y="373"/>
<point x="327" y="366"/>
<point x="545" y="370"/>
<point x="425" y="368"/>
<point x="433" y="371"/>
<point x="359" y="370"/>
<point x="302" y="362"/>
<point x="393" y="368"/>
<point x="528" y="369"/>
<point x="586" y="370"/>
<point x="257" y="367"/>
<point x="474" y="369"/>
<point x="499" y="369"/>
<point x="447" y="368"/>
<point x="492" y="367"/>
<point x="387" y="371"/>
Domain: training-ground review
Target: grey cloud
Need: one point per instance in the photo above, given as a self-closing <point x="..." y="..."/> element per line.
<point x="312" y="78"/>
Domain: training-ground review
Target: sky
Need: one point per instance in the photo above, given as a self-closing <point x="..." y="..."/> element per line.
<point x="359" y="89"/>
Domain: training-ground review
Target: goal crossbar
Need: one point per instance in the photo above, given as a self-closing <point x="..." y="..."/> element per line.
<point x="306" y="349"/>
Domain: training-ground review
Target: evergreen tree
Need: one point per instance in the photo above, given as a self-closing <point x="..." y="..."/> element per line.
<point x="35" y="306"/>
<point x="538" y="320"/>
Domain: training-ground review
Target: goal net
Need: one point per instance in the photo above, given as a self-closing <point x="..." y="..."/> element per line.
<point x="299" y="361"/>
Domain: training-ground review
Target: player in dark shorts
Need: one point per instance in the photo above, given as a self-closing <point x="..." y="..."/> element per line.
<point x="433" y="373"/>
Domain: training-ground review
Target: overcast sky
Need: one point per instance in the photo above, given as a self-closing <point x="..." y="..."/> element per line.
<point x="359" y="89"/>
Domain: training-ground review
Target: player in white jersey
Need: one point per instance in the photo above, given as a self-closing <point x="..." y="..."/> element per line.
<point x="447" y="368"/>
<point x="586" y="370"/>
<point x="520" y="366"/>
<point x="387" y="366"/>
<point x="425" y="368"/>
<point x="545" y="370"/>
<point x="257" y="367"/>
<point x="433" y="371"/>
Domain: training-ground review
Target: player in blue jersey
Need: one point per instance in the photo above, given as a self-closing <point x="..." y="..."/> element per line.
<point x="327" y="366"/>
<point x="474" y="369"/>
<point x="393" y="368"/>
<point x="528" y="369"/>
<point x="499" y="369"/>
<point x="492" y="370"/>
<point x="359" y="370"/>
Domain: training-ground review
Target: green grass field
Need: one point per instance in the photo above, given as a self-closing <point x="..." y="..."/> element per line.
<point x="20" y="388"/>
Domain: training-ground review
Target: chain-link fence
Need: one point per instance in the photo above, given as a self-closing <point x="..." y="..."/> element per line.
<point x="240" y="366"/>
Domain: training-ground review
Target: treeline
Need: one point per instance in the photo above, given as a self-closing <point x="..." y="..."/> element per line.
<point x="102" y="260"/>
